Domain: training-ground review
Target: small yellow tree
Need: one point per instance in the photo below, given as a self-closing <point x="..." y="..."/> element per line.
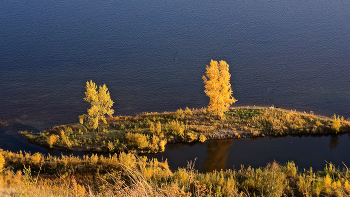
<point x="101" y="104"/>
<point x="218" y="87"/>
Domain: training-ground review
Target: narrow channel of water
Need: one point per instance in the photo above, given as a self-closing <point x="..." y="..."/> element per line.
<point x="211" y="155"/>
<point x="305" y="151"/>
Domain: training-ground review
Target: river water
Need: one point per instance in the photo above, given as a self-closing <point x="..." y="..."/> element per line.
<point x="152" y="55"/>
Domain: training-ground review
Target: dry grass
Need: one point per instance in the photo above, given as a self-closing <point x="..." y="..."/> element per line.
<point x="135" y="176"/>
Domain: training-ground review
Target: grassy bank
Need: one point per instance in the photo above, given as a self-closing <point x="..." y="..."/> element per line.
<point x="128" y="175"/>
<point x="150" y="132"/>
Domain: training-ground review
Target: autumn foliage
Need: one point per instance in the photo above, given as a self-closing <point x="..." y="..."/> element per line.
<point x="101" y="104"/>
<point x="218" y="87"/>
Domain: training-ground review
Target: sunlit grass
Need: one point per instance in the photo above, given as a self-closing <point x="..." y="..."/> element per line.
<point x="128" y="175"/>
<point x="150" y="132"/>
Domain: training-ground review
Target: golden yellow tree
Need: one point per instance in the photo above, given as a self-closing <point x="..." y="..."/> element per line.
<point x="218" y="87"/>
<point x="101" y="104"/>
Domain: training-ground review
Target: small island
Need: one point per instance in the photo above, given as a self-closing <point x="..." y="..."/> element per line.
<point x="123" y="173"/>
<point x="150" y="132"/>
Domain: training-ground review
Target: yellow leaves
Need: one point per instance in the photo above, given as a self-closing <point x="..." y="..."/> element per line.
<point x="81" y="118"/>
<point x="91" y="93"/>
<point x="2" y="162"/>
<point x="101" y="104"/>
<point x="36" y="158"/>
<point x="327" y="184"/>
<point x="52" y="139"/>
<point x="336" y="123"/>
<point x="202" y="138"/>
<point x="77" y="189"/>
<point x="162" y="144"/>
<point x="152" y="129"/>
<point x="158" y="128"/>
<point x="93" y="111"/>
<point x="304" y="185"/>
<point x="347" y="185"/>
<point x="218" y="87"/>
<point x="175" y="128"/>
<point x="137" y="139"/>
<point x="65" y="139"/>
<point x="93" y="159"/>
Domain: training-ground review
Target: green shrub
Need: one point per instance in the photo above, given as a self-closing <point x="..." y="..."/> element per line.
<point x="68" y="130"/>
<point x="42" y="135"/>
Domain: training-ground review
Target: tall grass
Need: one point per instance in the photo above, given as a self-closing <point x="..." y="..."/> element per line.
<point x="128" y="175"/>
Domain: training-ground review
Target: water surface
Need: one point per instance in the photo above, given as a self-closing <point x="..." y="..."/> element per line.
<point x="304" y="151"/>
<point x="152" y="55"/>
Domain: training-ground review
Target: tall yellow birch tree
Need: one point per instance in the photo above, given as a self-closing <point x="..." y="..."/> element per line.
<point x="218" y="87"/>
<point x="101" y="104"/>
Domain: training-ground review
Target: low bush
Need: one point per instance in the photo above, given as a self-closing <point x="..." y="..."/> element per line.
<point x="137" y="140"/>
<point x="52" y="139"/>
<point x="202" y="138"/>
<point x="175" y="128"/>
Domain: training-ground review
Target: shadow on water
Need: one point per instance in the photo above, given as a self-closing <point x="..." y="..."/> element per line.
<point x="333" y="141"/>
<point x="217" y="153"/>
<point x="305" y="151"/>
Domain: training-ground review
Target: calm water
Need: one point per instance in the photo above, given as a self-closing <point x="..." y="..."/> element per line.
<point x="231" y="154"/>
<point x="152" y="55"/>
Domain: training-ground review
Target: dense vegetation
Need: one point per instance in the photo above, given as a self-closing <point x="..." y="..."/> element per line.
<point x="128" y="175"/>
<point x="150" y="132"/>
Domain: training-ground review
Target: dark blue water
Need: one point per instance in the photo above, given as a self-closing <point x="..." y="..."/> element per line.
<point x="152" y="55"/>
<point x="304" y="151"/>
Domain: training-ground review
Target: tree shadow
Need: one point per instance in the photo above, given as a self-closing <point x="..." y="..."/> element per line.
<point x="217" y="154"/>
<point x="333" y="141"/>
